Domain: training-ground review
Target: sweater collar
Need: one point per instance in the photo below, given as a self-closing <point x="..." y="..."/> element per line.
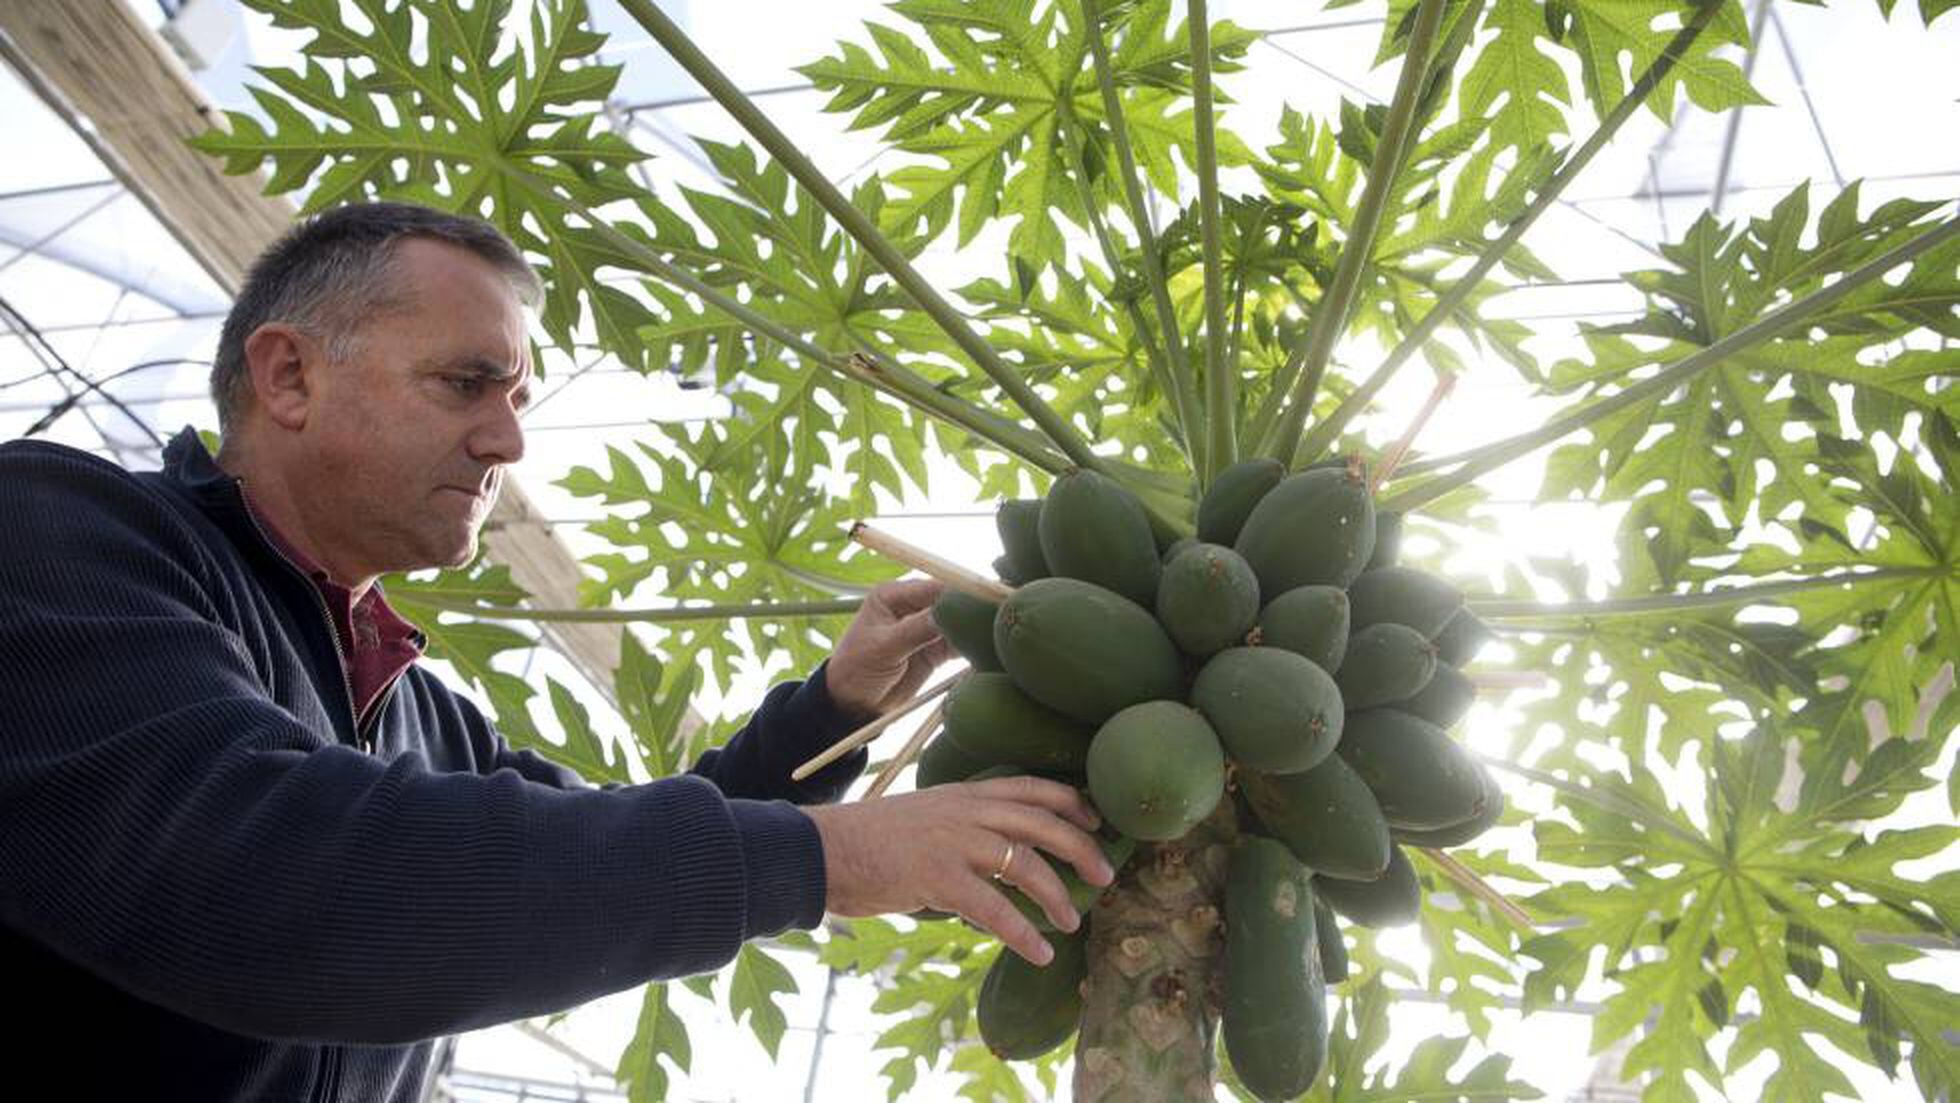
<point x="187" y="462"/>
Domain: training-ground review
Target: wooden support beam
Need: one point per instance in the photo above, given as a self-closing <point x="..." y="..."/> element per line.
<point x="117" y="83"/>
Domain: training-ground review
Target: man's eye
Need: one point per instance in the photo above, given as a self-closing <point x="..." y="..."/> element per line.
<point x="469" y="385"/>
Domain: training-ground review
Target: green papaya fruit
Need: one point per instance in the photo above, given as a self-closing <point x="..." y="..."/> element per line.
<point x="1084" y="651"/>
<point x="1421" y="778"/>
<point x="1004" y="571"/>
<point x="1025" y="1010"/>
<point x="1229" y="501"/>
<point x="967" y="622"/>
<point x="1310" y="621"/>
<point x="1443" y="700"/>
<point x="1207" y="599"/>
<point x="1155" y="770"/>
<point x="1333" y="948"/>
<point x="1392" y="901"/>
<point x="1275" y="1017"/>
<point x="1177" y="548"/>
<point x="1092" y="528"/>
<point x="1461" y="639"/>
<point x="1403" y="595"/>
<point x="1388" y="539"/>
<point x="1325" y="815"/>
<point x="943" y="760"/>
<point x="1316" y="528"/>
<point x="1018" y="520"/>
<point x="1385" y="662"/>
<point x="991" y="719"/>
<point x="1274" y="711"/>
<point x="1459" y="834"/>
<point x="1081" y="894"/>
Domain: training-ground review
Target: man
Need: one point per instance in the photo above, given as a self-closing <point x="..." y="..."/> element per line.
<point x="254" y="852"/>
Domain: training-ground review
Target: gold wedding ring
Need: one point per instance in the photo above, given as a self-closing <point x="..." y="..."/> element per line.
<point x="1006" y="859"/>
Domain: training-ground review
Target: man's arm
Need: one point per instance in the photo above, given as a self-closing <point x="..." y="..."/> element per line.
<point x="796" y="721"/>
<point x="883" y="658"/>
<point x="945" y="848"/>
<point x="168" y="827"/>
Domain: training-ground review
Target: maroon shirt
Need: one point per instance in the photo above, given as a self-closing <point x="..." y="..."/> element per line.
<point x="376" y="644"/>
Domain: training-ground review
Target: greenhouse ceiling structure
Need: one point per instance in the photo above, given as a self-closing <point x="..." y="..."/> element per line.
<point x="121" y="247"/>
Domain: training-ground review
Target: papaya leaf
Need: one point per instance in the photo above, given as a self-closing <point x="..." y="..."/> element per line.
<point x="1754" y="873"/>
<point x="753" y="986"/>
<point x="653" y="697"/>
<point x="999" y="106"/>
<point x="1637" y="30"/>
<point x="1691" y="460"/>
<point x="660" y="1040"/>
<point x="1355" y="1075"/>
<point x="472" y="646"/>
<point x="690" y="532"/>
<point x="504" y="128"/>
<point x="935" y="970"/>
<point x="583" y="751"/>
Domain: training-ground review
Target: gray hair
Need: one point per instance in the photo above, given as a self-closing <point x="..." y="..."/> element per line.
<point x="331" y="273"/>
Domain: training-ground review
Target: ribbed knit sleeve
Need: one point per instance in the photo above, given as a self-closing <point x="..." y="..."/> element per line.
<point x="795" y="722"/>
<point x="167" y="826"/>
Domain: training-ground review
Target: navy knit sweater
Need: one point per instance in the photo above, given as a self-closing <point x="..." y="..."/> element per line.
<point x="226" y="899"/>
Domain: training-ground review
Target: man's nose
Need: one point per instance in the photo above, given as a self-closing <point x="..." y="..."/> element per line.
<point x="499" y="438"/>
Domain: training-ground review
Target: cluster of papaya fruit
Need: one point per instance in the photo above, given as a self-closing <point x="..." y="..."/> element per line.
<point x="1281" y="656"/>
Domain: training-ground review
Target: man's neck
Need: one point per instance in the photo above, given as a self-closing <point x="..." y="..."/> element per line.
<point x="275" y="505"/>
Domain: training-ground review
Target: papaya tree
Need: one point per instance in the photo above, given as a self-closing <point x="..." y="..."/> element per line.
<point x="1175" y="312"/>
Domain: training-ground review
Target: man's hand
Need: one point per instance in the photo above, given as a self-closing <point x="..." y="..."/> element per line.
<point x="940" y="848"/>
<point x="889" y="648"/>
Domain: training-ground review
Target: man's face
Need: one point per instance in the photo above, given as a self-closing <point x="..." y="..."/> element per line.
<point x="404" y="444"/>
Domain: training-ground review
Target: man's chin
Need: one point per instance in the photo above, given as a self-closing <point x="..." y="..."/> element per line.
<point x="464" y="555"/>
<point x="450" y="554"/>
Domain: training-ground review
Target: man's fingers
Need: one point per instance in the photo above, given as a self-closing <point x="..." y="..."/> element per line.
<point x="911" y="633"/>
<point x="1033" y="876"/>
<point x="908" y="595"/>
<point x="1063" y="800"/>
<point x="1028" y="823"/>
<point x="980" y="902"/>
<point x="937" y="653"/>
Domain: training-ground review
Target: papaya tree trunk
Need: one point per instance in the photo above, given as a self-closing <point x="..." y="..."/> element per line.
<point x="1156" y="973"/>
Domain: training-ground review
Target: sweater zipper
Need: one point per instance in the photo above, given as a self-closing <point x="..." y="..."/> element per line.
<point x="326" y="615"/>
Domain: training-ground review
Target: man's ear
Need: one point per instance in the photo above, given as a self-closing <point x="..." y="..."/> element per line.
<point x="280" y="362"/>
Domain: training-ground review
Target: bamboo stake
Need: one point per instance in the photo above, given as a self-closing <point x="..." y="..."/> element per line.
<point x="1445" y="383"/>
<point x="906" y="754"/>
<point x="1466" y="877"/>
<point x="871" y="731"/>
<point x="945" y="570"/>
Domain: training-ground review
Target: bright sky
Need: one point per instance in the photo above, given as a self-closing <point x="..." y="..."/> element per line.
<point x="92" y="270"/>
